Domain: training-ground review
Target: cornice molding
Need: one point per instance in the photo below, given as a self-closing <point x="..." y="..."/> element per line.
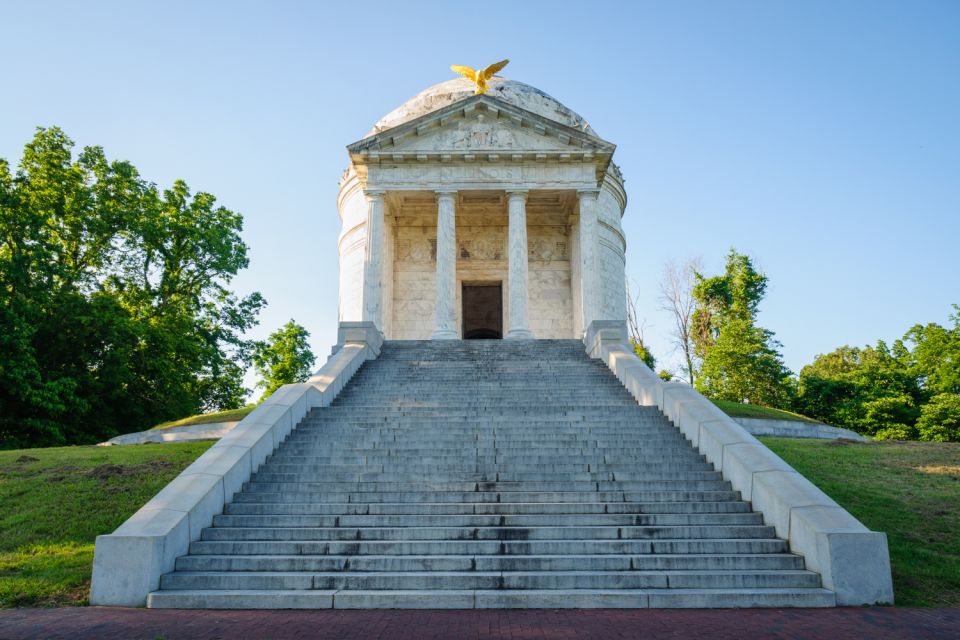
<point x="563" y="144"/>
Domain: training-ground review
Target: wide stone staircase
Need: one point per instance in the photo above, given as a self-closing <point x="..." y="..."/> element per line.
<point x="462" y="474"/>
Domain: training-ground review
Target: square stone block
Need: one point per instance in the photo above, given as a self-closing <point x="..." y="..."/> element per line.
<point x="743" y="459"/>
<point x="674" y="393"/>
<point x="257" y="437"/>
<point x="715" y="435"/>
<point x="856" y="566"/>
<point x="645" y="391"/>
<point x="777" y="493"/>
<point x="693" y="413"/>
<point x="232" y="462"/>
<point x="200" y="495"/>
<point x="128" y="563"/>
<point x="806" y="523"/>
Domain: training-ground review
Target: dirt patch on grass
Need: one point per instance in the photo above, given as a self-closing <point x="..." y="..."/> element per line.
<point x="59" y="474"/>
<point x="25" y="459"/>
<point x="66" y="472"/>
<point x="842" y="442"/>
<point x="107" y="471"/>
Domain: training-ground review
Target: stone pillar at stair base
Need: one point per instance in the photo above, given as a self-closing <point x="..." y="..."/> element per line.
<point x="600" y="333"/>
<point x="363" y="332"/>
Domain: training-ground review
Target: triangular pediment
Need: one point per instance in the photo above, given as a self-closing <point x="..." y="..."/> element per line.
<point x="480" y="127"/>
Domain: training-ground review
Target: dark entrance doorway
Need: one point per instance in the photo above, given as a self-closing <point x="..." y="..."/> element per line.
<point x="483" y="311"/>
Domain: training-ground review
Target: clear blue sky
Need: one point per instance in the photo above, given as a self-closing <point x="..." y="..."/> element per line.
<point x="820" y="138"/>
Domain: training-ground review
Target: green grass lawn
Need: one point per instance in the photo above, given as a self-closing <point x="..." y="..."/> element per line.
<point x="54" y="502"/>
<point x="232" y="415"/>
<point x="739" y="410"/>
<point x="910" y="490"/>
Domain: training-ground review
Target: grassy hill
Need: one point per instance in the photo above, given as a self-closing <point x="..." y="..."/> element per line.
<point x="230" y="415"/>
<point x="910" y="490"/>
<point x="54" y="502"/>
<point x="739" y="410"/>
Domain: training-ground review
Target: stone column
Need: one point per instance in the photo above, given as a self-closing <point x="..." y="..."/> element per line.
<point x="518" y="323"/>
<point x="373" y="261"/>
<point x="446" y="323"/>
<point x="589" y="278"/>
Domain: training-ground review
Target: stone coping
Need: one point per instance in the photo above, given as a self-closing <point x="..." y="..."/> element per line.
<point x="852" y="560"/>
<point x="186" y="433"/>
<point x="128" y="563"/>
<point x="797" y="429"/>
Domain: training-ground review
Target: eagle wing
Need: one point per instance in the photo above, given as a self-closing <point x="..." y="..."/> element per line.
<point x="464" y="71"/>
<point x="493" y="68"/>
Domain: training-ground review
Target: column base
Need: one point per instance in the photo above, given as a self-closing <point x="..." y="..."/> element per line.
<point x="444" y="334"/>
<point x="519" y="334"/>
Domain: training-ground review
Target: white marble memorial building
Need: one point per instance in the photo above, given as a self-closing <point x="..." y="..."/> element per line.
<point x="481" y="216"/>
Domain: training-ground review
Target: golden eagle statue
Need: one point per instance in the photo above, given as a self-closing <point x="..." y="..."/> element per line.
<point x="480" y="77"/>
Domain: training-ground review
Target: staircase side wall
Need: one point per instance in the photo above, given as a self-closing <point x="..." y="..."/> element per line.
<point x="128" y="563"/>
<point x="852" y="560"/>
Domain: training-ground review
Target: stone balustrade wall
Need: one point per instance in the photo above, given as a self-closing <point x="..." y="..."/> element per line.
<point x="852" y="560"/>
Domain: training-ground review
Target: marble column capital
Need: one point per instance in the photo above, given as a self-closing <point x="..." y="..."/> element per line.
<point x="515" y="194"/>
<point x="445" y="194"/>
<point x="374" y="194"/>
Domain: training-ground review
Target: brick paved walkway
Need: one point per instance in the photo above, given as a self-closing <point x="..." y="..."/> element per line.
<point x="744" y="624"/>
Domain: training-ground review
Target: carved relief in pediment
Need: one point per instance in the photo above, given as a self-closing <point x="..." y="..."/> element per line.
<point x="481" y="134"/>
<point x="477" y="135"/>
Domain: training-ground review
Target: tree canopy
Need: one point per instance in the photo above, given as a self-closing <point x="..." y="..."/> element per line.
<point x="907" y="390"/>
<point x="115" y="307"/>
<point x="284" y="358"/>
<point x="739" y="360"/>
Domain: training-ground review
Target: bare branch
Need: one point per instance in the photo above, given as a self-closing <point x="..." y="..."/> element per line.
<point x="676" y="297"/>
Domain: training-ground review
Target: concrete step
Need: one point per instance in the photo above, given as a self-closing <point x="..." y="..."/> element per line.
<point x="697" y="513"/>
<point x="303" y="528"/>
<point x="524" y="550"/>
<point x="519" y="460"/>
<point x="429" y="470"/>
<point x="328" y="563"/>
<point x="322" y="473"/>
<point x="249" y="495"/>
<point x="230" y="580"/>
<point x="308" y="482"/>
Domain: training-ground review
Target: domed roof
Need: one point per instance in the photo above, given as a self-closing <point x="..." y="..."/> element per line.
<point x="510" y="91"/>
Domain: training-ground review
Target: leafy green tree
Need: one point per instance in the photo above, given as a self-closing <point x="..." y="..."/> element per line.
<point x="935" y="357"/>
<point x="284" y="358"/>
<point x="868" y="389"/>
<point x="643" y="353"/>
<point x="940" y="419"/>
<point x="739" y="360"/>
<point x="744" y="365"/>
<point x="890" y="417"/>
<point x="115" y="312"/>
<point x="901" y="391"/>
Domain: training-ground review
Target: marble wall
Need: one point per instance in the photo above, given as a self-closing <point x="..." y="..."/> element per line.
<point x="481" y="257"/>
